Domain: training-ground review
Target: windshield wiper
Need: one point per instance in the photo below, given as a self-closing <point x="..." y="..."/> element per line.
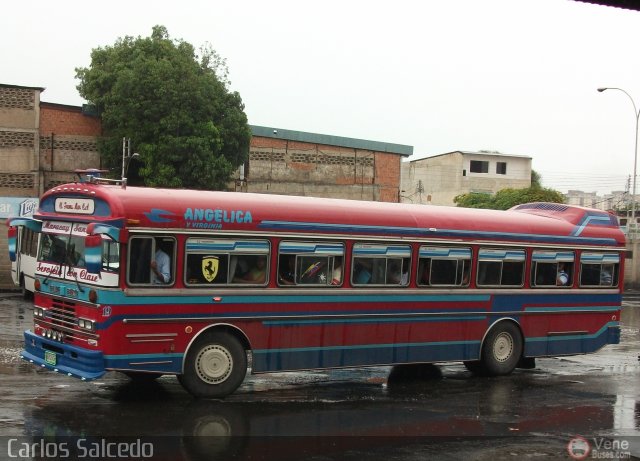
<point x="75" y="276"/>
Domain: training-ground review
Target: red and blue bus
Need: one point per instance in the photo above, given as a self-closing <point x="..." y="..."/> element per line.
<point x="288" y="283"/>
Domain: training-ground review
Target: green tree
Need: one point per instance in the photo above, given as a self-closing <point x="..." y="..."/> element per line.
<point x="536" y="179"/>
<point x="188" y="127"/>
<point x="474" y="200"/>
<point x="507" y="198"/>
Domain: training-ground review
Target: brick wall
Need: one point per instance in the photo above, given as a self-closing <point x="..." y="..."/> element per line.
<point x="280" y="166"/>
<point x="67" y="120"/>
<point x="68" y="141"/>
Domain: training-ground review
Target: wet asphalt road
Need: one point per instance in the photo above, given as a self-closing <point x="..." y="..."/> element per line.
<point x="446" y="413"/>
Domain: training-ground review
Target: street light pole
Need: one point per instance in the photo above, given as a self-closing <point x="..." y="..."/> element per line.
<point x="635" y="159"/>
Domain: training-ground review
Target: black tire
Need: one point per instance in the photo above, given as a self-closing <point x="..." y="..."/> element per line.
<point x="215" y="366"/>
<point x="501" y="350"/>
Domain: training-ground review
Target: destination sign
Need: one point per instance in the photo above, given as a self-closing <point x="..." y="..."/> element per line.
<point x="75" y="205"/>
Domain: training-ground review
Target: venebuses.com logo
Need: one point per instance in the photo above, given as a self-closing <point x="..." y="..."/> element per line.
<point x="598" y="448"/>
<point x="578" y="448"/>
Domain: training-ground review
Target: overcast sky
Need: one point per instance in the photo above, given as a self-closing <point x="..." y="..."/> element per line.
<point x="514" y="76"/>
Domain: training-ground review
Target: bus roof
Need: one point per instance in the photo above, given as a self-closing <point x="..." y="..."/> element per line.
<point x="186" y="210"/>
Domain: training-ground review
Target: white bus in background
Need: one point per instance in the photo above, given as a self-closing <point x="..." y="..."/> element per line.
<point x="24" y="267"/>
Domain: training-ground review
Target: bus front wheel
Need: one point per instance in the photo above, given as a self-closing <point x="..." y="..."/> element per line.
<point x="501" y="349"/>
<point x="215" y="365"/>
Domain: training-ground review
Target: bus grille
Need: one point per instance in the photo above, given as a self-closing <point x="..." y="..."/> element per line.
<point x="63" y="313"/>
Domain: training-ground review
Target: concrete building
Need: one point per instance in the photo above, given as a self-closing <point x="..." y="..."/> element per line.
<point x="40" y="146"/>
<point x="605" y="202"/>
<point x="437" y="180"/>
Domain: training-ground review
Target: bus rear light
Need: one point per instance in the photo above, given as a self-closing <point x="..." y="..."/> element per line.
<point x="93" y="296"/>
<point x="36" y="285"/>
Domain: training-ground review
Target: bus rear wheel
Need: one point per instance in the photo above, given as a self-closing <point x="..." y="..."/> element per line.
<point x="215" y="365"/>
<point x="501" y="349"/>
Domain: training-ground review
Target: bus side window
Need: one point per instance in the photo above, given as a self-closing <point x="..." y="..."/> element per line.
<point x="501" y="267"/>
<point x="310" y="263"/>
<point x="444" y="266"/>
<point x="140" y="260"/>
<point x="143" y="250"/>
<point x="599" y="275"/>
<point x="380" y="264"/>
<point x="207" y="269"/>
<point x="552" y="268"/>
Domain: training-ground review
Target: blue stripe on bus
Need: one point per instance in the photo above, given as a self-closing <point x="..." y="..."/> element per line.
<point x="439" y="351"/>
<point x="411" y="231"/>
<point x="379" y="354"/>
<point x="574" y="343"/>
<point x="113" y="297"/>
<point x="594" y="220"/>
<point x="552" y="256"/>
<point x="507" y="255"/>
<point x="597" y="258"/>
<point x="381" y="250"/>
<point x="124" y="362"/>
<point x="229" y="246"/>
<point x="311" y="248"/>
<point x="442" y="252"/>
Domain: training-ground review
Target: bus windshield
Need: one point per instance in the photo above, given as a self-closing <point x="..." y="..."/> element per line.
<point x="62" y="249"/>
<point x="63" y="244"/>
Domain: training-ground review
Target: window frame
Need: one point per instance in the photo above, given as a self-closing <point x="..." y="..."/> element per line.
<point x="172" y="258"/>
<point x="552" y="257"/>
<point x="482" y="164"/>
<point x="393" y="253"/>
<point x="230" y="248"/>
<point x="299" y="249"/>
<point x="437" y="253"/>
<point x="601" y="259"/>
<point x="502" y="256"/>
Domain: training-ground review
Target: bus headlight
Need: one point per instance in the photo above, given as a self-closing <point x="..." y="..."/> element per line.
<point x="86" y="324"/>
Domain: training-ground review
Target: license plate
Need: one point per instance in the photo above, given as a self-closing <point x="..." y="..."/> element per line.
<point x="50" y="357"/>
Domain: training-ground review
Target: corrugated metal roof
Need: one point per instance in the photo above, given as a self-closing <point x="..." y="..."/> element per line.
<point x="329" y="140"/>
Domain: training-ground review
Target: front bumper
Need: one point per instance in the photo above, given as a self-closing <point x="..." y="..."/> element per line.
<point x="63" y="358"/>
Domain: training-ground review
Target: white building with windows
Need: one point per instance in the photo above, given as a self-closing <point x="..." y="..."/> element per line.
<point x="437" y="180"/>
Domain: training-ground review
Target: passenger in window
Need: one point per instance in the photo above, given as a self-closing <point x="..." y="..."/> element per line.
<point x="605" y="276"/>
<point x="363" y="271"/>
<point x="257" y="274"/>
<point x="287" y="270"/>
<point x="161" y="265"/>
<point x="395" y="275"/>
<point x="336" y="274"/>
<point x="466" y="270"/>
<point x="563" y="277"/>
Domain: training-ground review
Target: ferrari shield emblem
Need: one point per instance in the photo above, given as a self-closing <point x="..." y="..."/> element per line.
<point x="210" y="268"/>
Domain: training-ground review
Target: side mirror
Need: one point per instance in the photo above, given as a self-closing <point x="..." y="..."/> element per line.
<point x="93" y="253"/>
<point x="13" y="243"/>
